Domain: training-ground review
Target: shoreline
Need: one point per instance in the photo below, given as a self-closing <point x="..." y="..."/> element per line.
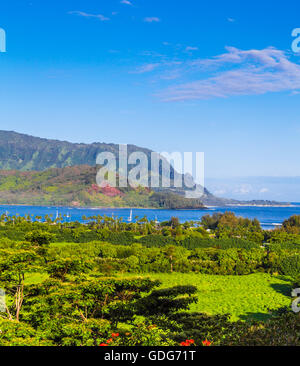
<point x="207" y="207"/>
<point x="263" y="215"/>
<point x="105" y="207"/>
<point x="249" y="205"/>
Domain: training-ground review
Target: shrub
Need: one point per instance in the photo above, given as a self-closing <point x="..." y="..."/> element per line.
<point x="157" y="241"/>
<point x="20" y="334"/>
<point x="290" y="266"/>
<point x="147" y="335"/>
<point x="39" y="237"/>
<point x="122" y="238"/>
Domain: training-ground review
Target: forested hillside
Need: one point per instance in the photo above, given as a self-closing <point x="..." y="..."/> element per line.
<point x="76" y="186"/>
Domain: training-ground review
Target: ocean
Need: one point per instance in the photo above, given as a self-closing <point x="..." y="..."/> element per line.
<point x="269" y="217"/>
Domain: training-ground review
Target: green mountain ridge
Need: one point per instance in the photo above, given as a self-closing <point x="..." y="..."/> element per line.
<point x="25" y="153"/>
<point x="28" y="153"/>
<point x="76" y="186"/>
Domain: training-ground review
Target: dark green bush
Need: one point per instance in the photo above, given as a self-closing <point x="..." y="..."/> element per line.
<point x="290" y="266"/>
<point x="157" y="241"/>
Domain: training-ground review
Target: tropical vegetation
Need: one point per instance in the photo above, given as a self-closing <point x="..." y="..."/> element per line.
<point x="220" y="281"/>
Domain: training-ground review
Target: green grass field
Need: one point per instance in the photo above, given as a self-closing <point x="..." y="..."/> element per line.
<point x="244" y="297"/>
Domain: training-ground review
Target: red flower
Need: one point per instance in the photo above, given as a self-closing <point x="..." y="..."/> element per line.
<point x="109" y="340"/>
<point x="115" y="335"/>
<point x="184" y="344"/>
<point x="103" y="344"/>
<point x="206" y="343"/>
<point x="187" y="342"/>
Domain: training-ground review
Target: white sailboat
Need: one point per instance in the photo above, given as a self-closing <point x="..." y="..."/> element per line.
<point x="130" y="217"/>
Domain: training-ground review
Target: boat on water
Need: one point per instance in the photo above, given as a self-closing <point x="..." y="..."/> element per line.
<point x="130" y="217"/>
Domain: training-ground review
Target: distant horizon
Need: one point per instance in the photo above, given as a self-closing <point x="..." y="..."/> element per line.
<point x="281" y="189"/>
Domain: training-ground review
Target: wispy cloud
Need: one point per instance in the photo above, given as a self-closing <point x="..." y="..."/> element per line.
<point x="146" y="68"/>
<point x="126" y="2"/>
<point x="243" y="189"/>
<point x="190" y="48"/>
<point x="151" y="20"/>
<point x="238" y="72"/>
<point x="87" y="15"/>
<point x="219" y="192"/>
<point x="231" y="20"/>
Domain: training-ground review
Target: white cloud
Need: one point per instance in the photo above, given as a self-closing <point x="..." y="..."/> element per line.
<point x="243" y="189"/>
<point x="87" y="15"/>
<point x="263" y="190"/>
<point x="146" y="68"/>
<point x="126" y="2"/>
<point x="151" y="20"/>
<point x="190" y="48"/>
<point x="238" y="72"/>
<point x="219" y="192"/>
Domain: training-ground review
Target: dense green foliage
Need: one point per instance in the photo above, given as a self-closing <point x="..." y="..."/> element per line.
<point x="146" y="247"/>
<point x="143" y="283"/>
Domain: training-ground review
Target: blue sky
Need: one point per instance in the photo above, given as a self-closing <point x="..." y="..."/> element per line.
<point x="171" y="75"/>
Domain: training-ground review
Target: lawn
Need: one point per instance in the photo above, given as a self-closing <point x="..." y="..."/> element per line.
<point x="254" y="296"/>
